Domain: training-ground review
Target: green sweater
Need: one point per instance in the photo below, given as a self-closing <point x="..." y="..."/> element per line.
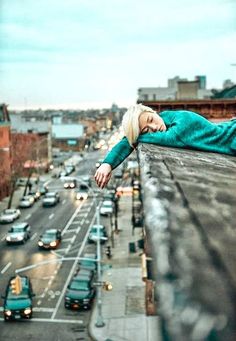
<point x="185" y="129"/>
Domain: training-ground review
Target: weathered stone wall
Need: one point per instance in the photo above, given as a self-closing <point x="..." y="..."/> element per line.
<point x="190" y="219"/>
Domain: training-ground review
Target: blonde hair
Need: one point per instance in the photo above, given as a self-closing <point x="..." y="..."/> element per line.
<point x="130" y="121"/>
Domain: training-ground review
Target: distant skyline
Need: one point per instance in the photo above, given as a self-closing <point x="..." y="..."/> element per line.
<point x="89" y="54"/>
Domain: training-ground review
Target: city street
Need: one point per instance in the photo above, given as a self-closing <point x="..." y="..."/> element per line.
<point x="51" y="321"/>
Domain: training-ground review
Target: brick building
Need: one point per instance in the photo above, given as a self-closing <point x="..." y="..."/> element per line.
<point x="5" y="151"/>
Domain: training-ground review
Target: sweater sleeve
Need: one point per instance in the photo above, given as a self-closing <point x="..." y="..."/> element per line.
<point x="118" y="153"/>
<point x="167" y="138"/>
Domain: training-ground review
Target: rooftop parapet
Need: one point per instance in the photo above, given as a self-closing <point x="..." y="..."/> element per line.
<point x="189" y="200"/>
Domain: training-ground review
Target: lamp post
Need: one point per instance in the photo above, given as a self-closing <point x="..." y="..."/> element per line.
<point x="99" y="323"/>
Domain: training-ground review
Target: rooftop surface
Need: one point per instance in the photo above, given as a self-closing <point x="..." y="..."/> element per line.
<point x="190" y="209"/>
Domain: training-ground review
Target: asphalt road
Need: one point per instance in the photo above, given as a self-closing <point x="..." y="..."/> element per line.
<point x="51" y="321"/>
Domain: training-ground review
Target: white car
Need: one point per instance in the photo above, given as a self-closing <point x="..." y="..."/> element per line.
<point x="18" y="233"/>
<point x="51" y="199"/>
<point x="9" y="215"/>
<point x="106" y="207"/>
<point x="26" y="201"/>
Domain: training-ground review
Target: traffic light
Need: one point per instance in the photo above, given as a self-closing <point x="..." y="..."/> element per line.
<point x="107" y="286"/>
<point x="16" y="285"/>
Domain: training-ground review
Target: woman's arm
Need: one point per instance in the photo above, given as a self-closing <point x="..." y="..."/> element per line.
<point x="113" y="159"/>
<point x="118" y="153"/>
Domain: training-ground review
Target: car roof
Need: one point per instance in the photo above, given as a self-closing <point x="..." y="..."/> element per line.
<point x="21" y="224"/>
<point x="51" y="231"/>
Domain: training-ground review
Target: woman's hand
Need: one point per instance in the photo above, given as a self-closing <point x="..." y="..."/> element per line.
<point x="103" y="175"/>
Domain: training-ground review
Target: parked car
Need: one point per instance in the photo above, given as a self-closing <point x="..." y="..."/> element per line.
<point x="86" y="181"/>
<point x="18" y="233"/>
<point x="80" y="292"/>
<point x="50" y="239"/>
<point x="106" y="207"/>
<point x="88" y="262"/>
<point x="35" y="193"/>
<point x="51" y="199"/>
<point x="18" y="306"/>
<point x="9" y="215"/>
<point x="97" y="230"/>
<point x="26" y="201"/>
<point x="43" y="189"/>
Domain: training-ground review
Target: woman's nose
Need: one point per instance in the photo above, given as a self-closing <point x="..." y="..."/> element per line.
<point x="153" y="127"/>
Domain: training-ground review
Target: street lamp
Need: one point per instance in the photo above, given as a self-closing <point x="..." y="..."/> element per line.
<point x="100" y="321"/>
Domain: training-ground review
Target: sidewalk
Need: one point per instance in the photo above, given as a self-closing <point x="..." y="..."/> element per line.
<point x="123" y="308"/>
<point x="19" y="193"/>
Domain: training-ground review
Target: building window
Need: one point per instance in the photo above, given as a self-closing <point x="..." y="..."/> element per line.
<point x="154" y="97"/>
<point x="145" y="97"/>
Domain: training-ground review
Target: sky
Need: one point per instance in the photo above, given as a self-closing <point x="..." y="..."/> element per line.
<point x="85" y="54"/>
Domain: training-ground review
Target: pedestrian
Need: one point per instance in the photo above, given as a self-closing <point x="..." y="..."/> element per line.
<point x="171" y="128"/>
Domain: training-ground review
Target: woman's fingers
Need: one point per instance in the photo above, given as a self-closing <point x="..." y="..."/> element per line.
<point x="103" y="175"/>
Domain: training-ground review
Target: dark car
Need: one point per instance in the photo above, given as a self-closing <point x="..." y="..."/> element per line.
<point x="18" y="233"/>
<point x="18" y="306"/>
<point x="80" y="292"/>
<point x="51" y="199"/>
<point x="88" y="262"/>
<point x="97" y="231"/>
<point x="50" y="239"/>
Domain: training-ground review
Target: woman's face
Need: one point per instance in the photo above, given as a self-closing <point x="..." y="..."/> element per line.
<point x="150" y="122"/>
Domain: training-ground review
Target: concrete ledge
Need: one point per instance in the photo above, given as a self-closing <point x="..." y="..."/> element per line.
<point x="189" y="207"/>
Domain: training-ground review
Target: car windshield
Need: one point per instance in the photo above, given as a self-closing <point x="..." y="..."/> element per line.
<point x="49" y="234"/>
<point x="79" y="285"/>
<point x="9" y="212"/>
<point x="50" y="195"/>
<point x="107" y="205"/>
<point x="25" y="198"/>
<point x="24" y="294"/>
<point x="17" y="229"/>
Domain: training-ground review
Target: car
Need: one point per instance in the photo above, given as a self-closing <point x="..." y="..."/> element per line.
<point x="26" y="201"/>
<point x="43" y="189"/>
<point x="63" y="173"/>
<point x="86" y="181"/>
<point x="9" y="215"/>
<point x="70" y="183"/>
<point x="18" y="233"/>
<point x="81" y="194"/>
<point x="93" y="234"/>
<point x="50" y="239"/>
<point x="80" y="292"/>
<point x="51" y="199"/>
<point x="88" y="262"/>
<point x="35" y="193"/>
<point x="106" y="207"/>
<point x="18" y="306"/>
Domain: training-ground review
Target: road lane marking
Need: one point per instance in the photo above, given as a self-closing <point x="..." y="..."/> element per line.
<point x="28" y="216"/>
<point x="6" y="267"/>
<point x="55" y="320"/>
<point x="39" y="302"/>
<point x="51" y="216"/>
<point x="72" y="270"/>
<point x="44" y="310"/>
<point x="67" y="239"/>
<point x="70" y="220"/>
<point x="34" y="235"/>
<point x="73" y="239"/>
<point x="3" y="238"/>
<point x="71" y="231"/>
<point x="63" y="202"/>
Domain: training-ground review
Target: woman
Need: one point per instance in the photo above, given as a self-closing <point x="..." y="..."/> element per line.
<point x="172" y="128"/>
